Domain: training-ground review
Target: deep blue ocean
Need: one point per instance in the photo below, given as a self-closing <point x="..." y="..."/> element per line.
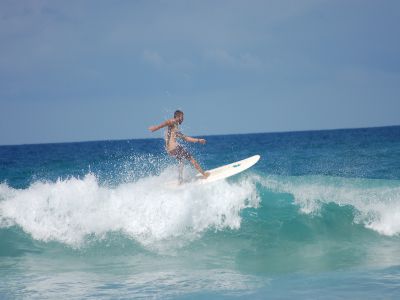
<point x="318" y="217"/>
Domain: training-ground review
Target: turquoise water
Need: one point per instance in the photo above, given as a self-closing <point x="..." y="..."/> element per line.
<point x="317" y="217"/>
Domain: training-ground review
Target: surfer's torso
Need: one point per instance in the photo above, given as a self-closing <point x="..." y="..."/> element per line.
<point x="171" y="134"/>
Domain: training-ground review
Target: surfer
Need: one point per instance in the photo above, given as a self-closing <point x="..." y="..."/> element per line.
<point x="173" y="148"/>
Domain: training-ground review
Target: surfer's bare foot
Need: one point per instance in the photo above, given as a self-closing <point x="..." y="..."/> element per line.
<point x="205" y="175"/>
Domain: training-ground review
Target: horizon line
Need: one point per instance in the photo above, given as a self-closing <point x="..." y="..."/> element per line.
<point x="217" y="134"/>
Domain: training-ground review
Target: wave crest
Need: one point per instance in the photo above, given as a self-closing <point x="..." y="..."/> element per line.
<point x="376" y="201"/>
<point x="68" y="211"/>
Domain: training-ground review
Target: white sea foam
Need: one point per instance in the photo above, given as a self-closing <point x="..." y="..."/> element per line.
<point x="70" y="210"/>
<point x="377" y="202"/>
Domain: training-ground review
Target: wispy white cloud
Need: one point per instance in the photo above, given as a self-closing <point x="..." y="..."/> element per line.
<point x="155" y="59"/>
<point x="224" y="58"/>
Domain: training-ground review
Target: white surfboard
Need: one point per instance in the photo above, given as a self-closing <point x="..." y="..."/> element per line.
<point x="222" y="172"/>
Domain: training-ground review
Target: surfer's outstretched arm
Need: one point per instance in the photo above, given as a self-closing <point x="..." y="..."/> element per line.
<point x="169" y="122"/>
<point x="194" y="140"/>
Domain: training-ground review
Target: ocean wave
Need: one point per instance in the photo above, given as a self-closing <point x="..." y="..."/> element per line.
<point x="70" y="210"/>
<point x="376" y="201"/>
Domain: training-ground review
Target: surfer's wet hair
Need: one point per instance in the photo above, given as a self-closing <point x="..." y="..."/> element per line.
<point x="178" y="113"/>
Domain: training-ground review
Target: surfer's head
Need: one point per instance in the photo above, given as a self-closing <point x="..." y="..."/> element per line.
<point x="178" y="115"/>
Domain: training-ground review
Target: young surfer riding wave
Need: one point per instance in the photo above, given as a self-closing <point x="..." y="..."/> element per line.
<point x="173" y="148"/>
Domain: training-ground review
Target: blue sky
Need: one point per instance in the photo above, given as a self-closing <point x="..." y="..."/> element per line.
<point x="94" y="70"/>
